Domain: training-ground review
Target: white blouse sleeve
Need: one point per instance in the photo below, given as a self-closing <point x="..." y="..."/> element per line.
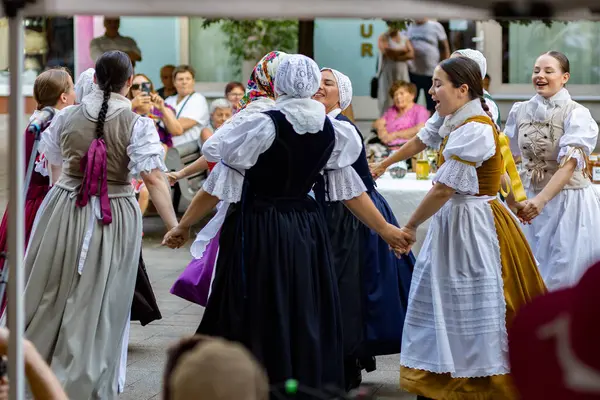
<point x="467" y="148"/>
<point x="145" y="151"/>
<point x="236" y="151"/>
<point x="210" y="148"/>
<point x="342" y="180"/>
<point x="429" y="134"/>
<point x="511" y="128"/>
<point x="579" y="138"/>
<point x="50" y="139"/>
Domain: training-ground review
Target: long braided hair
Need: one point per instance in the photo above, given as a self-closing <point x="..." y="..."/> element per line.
<point x="113" y="69"/>
<point x="464" y="71"/>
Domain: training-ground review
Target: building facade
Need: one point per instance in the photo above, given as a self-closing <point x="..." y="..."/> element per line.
<point x="349" y="45"/>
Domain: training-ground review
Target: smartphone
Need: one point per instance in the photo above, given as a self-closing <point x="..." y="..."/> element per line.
<point x="146" y="87"/>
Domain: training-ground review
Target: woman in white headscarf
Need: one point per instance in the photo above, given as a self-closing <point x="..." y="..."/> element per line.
<point x="373" y="283"/>
<point x="274" y="289"/>
<point x="433" y="124"/>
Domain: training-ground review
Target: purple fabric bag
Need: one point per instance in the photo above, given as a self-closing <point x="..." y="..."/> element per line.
<point x="194" y="282"/>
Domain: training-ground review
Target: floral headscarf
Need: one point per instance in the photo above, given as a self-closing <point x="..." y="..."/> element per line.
<point x="261" y="81"/>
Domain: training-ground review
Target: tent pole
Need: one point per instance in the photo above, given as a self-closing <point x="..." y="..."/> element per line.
<point x="16" y="367"/>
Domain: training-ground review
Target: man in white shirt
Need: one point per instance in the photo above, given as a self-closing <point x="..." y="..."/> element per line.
<point x="112" y="40"/>
<point x="191" y="108"/>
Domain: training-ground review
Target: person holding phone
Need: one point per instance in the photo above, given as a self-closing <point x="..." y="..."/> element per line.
<point x="145" y="101"/>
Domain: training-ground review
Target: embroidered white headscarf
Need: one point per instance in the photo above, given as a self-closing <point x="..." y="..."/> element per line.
<point x="344" y="87"/>
<point x="297" y="80"/>
<point x="297" y="76"/>
<point x="476" y="56"/>
<point x="85" y="84"/>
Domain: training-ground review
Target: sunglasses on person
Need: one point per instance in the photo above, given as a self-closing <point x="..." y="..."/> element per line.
<point x="145" y="87"/>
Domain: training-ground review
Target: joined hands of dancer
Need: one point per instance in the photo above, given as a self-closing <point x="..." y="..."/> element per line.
<point x="529" y="209"/>
<point x="399" y="240"/>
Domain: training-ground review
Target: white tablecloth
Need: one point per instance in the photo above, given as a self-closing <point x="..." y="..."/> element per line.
<point x="404" y="195"/>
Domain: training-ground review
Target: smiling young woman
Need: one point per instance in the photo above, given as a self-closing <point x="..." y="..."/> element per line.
<point x="465" y="291"/>
<point x="556" y="135"/>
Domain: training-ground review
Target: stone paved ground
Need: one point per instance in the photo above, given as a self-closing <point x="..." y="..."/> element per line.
<point x="148" y="344"/>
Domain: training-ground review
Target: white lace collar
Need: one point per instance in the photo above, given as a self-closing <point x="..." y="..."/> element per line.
<point x="259" y="105"/>
<point x="306" y="115"/>
<point x="334" y="113"/>
<point x="559" y="99"/>
<point x="471" y="109"/>
<point x="93" y="102"/>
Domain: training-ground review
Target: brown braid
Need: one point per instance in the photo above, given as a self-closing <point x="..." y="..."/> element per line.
<point x="102" y="114"/>
<point x="486" y="108"/>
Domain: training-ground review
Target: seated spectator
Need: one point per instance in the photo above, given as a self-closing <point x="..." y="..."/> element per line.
<point x="234" y="91"/>
<point x="166" y="76"/>
<point x="42" y="382"/>
<point x="402" y="121"/>
<point x="153" y="106"/>
<point x="220" y="111"/>
<point x="191" y="108"/>
<point x="112" y="40"/>
<point x="215" y="368"/>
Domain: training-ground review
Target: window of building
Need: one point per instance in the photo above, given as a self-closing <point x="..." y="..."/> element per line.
<point x="522" y="44"/>
<point x="208" y="54"/>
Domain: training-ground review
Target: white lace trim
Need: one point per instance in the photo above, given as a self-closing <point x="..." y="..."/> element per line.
<point x="344" y="184"/>
<point x="146" y="164"/>
<point x="437" y="369"/>
<point x="225" y="183"/>
<point x="431" y="139"/>
<point x="572" y="152"/>
<point x="459" y="176"/>
<point x="498" y="262"/>
<point x="305" y="115"/>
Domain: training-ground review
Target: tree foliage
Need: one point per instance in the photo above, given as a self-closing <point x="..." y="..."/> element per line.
<point x="249" y="40"/>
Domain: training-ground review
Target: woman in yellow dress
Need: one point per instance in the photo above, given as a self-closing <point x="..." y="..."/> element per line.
<point x="475" y="269"/>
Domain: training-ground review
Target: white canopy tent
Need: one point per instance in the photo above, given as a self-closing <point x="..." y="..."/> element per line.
<point x="15" y="10"/>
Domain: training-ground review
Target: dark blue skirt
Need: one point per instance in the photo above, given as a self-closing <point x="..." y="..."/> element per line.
<point x="386" y="285"/>
<point x="373" y="284"/>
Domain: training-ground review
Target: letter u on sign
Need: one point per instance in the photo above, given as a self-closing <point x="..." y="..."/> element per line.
<point x="366" y="34"/>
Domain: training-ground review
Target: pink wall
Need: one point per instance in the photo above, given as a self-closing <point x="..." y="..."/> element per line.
<point x="84" y="33"/>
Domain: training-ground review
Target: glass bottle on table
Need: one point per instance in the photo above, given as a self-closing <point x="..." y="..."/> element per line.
<point x="422" y="168"/>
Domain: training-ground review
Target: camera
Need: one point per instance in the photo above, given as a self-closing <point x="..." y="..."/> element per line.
<point x="145" y="87"/>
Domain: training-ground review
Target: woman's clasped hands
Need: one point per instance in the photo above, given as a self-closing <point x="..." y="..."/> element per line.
<point x="176" y="237"/>
<point x="529" y="209"/>
<point x="400" y="240"/>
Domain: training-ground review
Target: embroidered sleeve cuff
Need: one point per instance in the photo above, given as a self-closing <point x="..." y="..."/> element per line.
<point x="344" y="184"/>
<point x="225" y="183"/>
<point x="146" y="164"/>
<point x="458" y="175"/>
<point x="431" y="139"/>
